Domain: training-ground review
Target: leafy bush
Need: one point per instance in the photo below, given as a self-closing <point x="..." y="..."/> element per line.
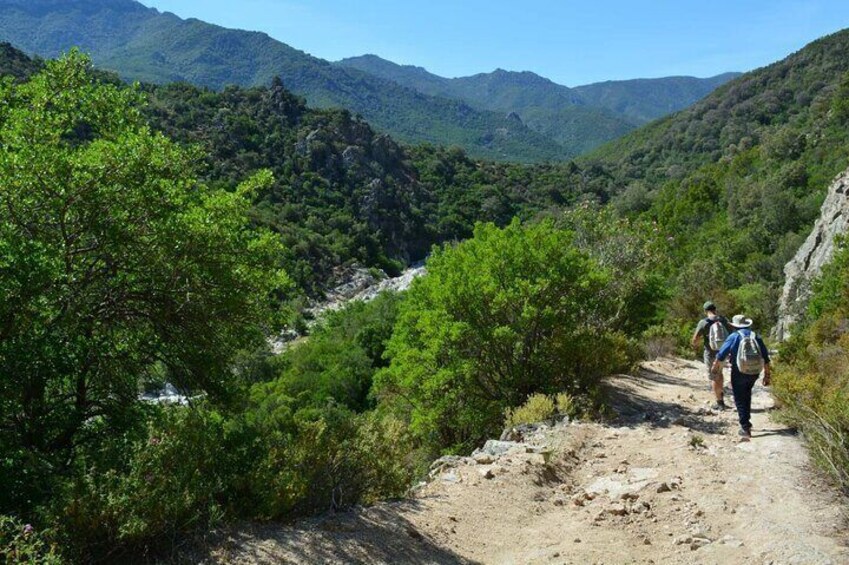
<point x="538" y="408"/>
<point x="116" y="266"/>
<point x="507" y="314"/>
<point x="812" y="382"/>
<point x="21" y="543"/>
<point x="120" y="266"/>
<point x="565" y="404"/>
<point x="197" y="467"/>
<point x="341" y="356"/>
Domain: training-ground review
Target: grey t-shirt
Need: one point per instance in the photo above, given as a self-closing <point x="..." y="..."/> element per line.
<point x="703" y="329"/>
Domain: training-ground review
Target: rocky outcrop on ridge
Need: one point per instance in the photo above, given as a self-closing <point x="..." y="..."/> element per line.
<point x="816" y="252"/>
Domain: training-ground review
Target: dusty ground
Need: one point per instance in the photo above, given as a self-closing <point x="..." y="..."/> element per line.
<point x="669" y="482"/>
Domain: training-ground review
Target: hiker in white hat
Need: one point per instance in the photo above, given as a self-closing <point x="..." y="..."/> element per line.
<point x="749" y="356"/>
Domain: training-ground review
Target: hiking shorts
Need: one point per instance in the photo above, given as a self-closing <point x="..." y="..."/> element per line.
<point x="709" y="358"/>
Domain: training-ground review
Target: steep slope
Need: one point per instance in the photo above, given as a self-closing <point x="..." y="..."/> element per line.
<point x="817" y="251"/>
<point x="343" y="192"/>
<point x="579" y="118"/>
<point x="737" y="180"/>
<point x="143" y="44"/>
<point x="15" y="63"/>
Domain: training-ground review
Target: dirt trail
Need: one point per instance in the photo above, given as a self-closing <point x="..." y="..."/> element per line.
<point x="669" y="482"/>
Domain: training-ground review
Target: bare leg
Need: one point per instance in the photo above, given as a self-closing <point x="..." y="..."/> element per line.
<point x="717" y="385"/>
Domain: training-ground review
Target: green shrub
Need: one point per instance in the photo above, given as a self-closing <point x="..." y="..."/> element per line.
<point x="565" y="404"/>
<point x="21" y="543"/>
<point x="507" y="314"/>
<point x="197" y="467"/>
<point x="124" y="266"/>
<point x="812" y="381"/>
<point x="538" y="408"/>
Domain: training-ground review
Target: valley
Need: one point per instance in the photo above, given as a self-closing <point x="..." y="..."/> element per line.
<point x="492" y="281"/>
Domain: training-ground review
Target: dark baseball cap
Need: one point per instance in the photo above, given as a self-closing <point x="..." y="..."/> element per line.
<point x="709" y="306"/>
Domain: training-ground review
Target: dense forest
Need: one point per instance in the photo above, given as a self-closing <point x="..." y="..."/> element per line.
<point x="579" y="118"/>
<point x="143" y="44"/>
<point x="477" y="114"/>
<point x="161" y="233"/>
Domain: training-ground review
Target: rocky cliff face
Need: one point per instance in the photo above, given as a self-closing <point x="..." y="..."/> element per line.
<point x="814" y="253"/>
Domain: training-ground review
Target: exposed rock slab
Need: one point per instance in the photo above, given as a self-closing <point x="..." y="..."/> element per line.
<point x="816" y="252"/>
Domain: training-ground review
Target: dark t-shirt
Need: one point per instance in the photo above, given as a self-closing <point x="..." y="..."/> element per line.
<point x="703" y="329"/>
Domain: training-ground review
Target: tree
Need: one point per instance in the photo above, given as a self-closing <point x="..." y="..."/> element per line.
<point x="115" y="263"/>
<point x="503" y="315"/>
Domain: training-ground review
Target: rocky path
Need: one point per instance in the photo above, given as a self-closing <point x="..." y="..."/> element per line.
<point x="668" y="482"/>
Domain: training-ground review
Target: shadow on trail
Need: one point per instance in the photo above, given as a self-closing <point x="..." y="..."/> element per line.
<point x="374" y="535"/>
<point x="629" y="396"/>
<point x="784" y="432"/>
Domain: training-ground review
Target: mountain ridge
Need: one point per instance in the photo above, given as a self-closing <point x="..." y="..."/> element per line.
<point x="145" y="44"/>
<point x="598" y="112"/>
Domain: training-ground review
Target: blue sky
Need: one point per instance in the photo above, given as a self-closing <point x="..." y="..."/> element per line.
<point x="569" y="42"/>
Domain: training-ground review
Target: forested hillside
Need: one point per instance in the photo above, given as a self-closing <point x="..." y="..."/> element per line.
<point x="736" y="181"/>
<point x="153" y="234"/>
<point x="579" y="118"/>
<point x="557" y="123"/>
<point x="143" y="44"/>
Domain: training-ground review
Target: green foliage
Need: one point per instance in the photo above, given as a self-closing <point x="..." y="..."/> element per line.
<point x="634" y="255"/>
<point x="736" y="181"/>
<point x="506" y="314"/>
<point x="537" y="408"/>
<point x="21" y="543"/>
<point x="116" y="265"/>
<point x="338" y="361"/>
<point x="341" y="194"/>
<point x="565" y="404"/>
<point x="146" y="45"/>
<point x="345" y="194"/>
<point x="197" y="467"/>
<point x="812" y="381"/>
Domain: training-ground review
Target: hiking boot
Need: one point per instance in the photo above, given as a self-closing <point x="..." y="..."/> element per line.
<point x="719" y="406"/>
<point x="745" y="435"/>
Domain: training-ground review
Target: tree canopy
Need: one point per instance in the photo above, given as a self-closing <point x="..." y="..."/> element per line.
<point x="116" y="265"/>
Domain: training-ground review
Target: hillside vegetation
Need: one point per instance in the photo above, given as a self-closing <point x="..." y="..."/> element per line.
<point x="140" y="43"/>
<point x="143" y="44"/>
<point x="736" y="181"/>
<point x="579" y="118"/>
<point x="159" y="233"/>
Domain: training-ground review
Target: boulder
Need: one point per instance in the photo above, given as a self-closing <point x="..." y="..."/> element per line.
<point x="496" y="447"/>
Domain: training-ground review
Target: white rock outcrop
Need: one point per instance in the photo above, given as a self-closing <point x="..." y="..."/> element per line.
<point x="816" y="252"/>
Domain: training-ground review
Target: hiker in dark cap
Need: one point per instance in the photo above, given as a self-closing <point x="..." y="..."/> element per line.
<point x="712" y="331"/>
<point x="749" y="356"/>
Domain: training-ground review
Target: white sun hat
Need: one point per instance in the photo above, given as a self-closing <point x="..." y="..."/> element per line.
<point x="741" y="321"/>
